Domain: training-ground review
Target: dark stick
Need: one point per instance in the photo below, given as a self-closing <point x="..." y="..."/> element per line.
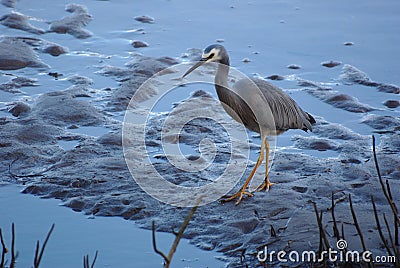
<point x="343" y="237"/>
<point x="178" y="236"/>
<point x="391" y="203"/>
<point x="23" y="176"/>
<point x="37" y="249"/>
<point x="13" y="256"/>
<point x="390" y="236"/>
<point x="38" y="257"/>
<point x="95" y="259"/>
<point x="156" y="250"/>
<point x="321" y="245"/>
<point x="86" y="260"/>
<point x="323" y="237"/>
<point x="335" y="228"/>
<point x="378" y="225"/>
<point x="353" y="213"/>
<point x="395" y="216"/>
<point x="4" y="249"/>
<point x="272" y="231"/>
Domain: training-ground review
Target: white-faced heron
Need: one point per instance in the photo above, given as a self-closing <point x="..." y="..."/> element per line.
<point x="239" y="103"/>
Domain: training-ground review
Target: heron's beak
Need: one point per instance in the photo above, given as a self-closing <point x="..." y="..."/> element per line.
<point x="197" y="65"/>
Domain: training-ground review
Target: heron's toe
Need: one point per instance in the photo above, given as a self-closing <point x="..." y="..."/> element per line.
<point x="239" y="195"/>
<point x="265" y="186"/>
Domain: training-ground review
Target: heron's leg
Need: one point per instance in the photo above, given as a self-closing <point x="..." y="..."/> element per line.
<point x="266" y="184"/>
<point x="239" y="194"/>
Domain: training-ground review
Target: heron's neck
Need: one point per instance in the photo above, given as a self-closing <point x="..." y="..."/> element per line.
<point x="221" y="77"/>
<point x="221" y="83"/>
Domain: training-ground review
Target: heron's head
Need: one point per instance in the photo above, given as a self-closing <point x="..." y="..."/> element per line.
<point x="212" y="53"/>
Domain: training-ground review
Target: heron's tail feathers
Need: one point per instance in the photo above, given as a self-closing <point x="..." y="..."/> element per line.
<point x="310" y="118"/>
<point x="311" y="121"/>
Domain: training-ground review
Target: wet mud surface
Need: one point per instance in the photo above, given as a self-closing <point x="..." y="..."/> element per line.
<point x="40" y="113"/>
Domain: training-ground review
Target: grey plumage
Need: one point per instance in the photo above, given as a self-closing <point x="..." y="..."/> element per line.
<point x="285" y="111"/>
<point x="259" y="105"/>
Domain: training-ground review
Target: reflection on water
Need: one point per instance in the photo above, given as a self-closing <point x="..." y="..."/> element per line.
<point x="120" y="243"/>
<point x="93" y="131"/>
<point x="68" y="145"/>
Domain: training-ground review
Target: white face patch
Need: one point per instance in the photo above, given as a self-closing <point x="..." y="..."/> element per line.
<point x="214" y="51"/>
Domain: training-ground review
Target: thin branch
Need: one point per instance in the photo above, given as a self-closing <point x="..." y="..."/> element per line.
<point x="353" y="214"/>
<point x="343" y="237"/>
<point x="95" y="259"/>
<point x="156" y="250"/>
<point x="13" y="255"/>
<point x="389" y="190"/>
<point x="38" y="256"/>
<point x="323" y="237"/>
<point x="4" y="249"/>
<point x="272" y="231"/>
<point x="173" y="230"/>
<point x="37" y="249"/>
<point x="178" y="236"/>
<point x="321" y="243"/>
<point x="335" y="228"/>
<point x="86" y="260"/>
<point x="23" y="176"/>
<point x="395" y="216"/>
<point x="180" y="232"/>
<point x="390" y="237"/>
<point x="390" y="201"/>
<point x="378" y="225"/>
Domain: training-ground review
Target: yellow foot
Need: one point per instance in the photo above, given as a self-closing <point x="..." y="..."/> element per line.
<point x="238" y="195"/>
<point x="265" y="186"/>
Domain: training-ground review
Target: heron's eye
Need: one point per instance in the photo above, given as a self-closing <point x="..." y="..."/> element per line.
<point x="211" y="56"/>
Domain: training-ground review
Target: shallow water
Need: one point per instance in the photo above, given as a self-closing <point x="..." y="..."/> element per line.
<point x="280" y="33"/>
<point x="120" y="243"/>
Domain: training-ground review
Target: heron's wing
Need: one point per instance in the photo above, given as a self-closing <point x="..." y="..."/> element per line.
<point x="287" y="114"/>
<point x="270" y="104"/>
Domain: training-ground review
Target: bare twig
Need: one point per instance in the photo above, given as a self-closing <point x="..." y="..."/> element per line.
<point x="173" y="230"/>
<point x="178" y="236"/>
<point x="13" y="255"/>
<point x="335" y="228"/>
<point x="321" y="244"/>
<point x="323" y="238"/>
<point x="322" y="231"/>
<point x="353" y="214"/>
<point x="385" y="192"/>
<point x="343" y="237"/>
<point x="23" y="176"/>
<point x="37" y="249"/>
<point x="395" y="216"/>
<point x="94" y="260"/>
<point x="156" y="250"/>
<point x="39" y="255"/>
<point x="180" y="233"/>
<point x="390" y="236"/>
<point x="272" y="231"/>
<point x="378" y="225"/>
<point x="86" y="260"/>
<point x="4" y="250"/>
